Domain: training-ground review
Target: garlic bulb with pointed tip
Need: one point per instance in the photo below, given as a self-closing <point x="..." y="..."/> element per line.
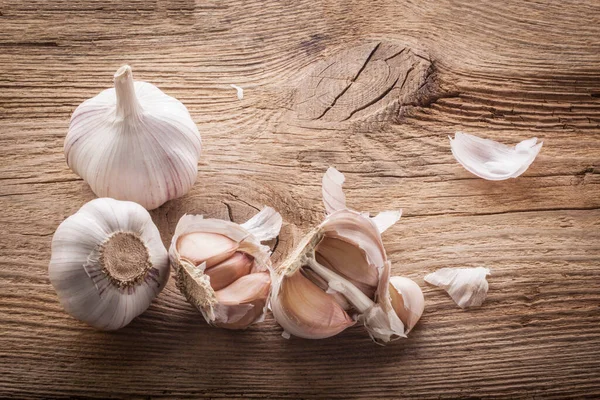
<point x="223" y="269"/>
<point x="134" y="142"/>
<point x="338" y="275"/>
<point x="108" y="263"/>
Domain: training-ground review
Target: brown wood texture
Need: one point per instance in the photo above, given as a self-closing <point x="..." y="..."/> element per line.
<point x="372" y="88"/>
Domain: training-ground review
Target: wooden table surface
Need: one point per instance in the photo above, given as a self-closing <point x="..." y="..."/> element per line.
<point x="372" y="88"/>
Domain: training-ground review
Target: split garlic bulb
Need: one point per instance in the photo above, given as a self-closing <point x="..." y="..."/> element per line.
<point x="134" y="143"/>
<point x="339" y="274"/>
<point x="108" y="263"/>
<point x="223" y="269"/>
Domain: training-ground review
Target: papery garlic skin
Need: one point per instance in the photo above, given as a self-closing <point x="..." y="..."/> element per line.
<point x="108" y="263"/>
<point x="223" y="269"/>
<point x="407" y="300"/>
<point x="338" y="275"/>
<point x="468" y="287"/>
<point x="492" y="160"/>
<point x="133" y="142"/>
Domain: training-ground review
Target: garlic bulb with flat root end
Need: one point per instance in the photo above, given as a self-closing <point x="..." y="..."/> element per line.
<point x="467" y="286"/>
<point x="492" y="160"/>
<point x="338" y="275"/>
<point x="108" y="263"/>
<point x="407" y="300"/>
<point x="134" y="143"/>
<point x="223" y="269"/>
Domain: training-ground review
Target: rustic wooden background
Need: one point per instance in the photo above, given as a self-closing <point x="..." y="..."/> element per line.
<point x="371" y="87"/>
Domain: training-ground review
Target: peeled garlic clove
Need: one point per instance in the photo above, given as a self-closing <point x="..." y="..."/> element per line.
<point x="347" y="255"/>
<point x="223" y="269"/>
<point x="492" y="160"/>
<point x="108" y="263"/>
<point x="211" y="248"/>
<point x="229" y="271"/>
<point x="305" y="310"/>
<point x="407" y="300"/>
<point x="134" y="143"/>
<point x="467" y="286"/>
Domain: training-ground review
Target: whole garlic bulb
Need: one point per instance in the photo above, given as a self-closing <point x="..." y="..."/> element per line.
<point x="134" y="143"/>
<point x="338" y="274"/>
<point x="223" y="269"/>
<point x="108" y="263"/>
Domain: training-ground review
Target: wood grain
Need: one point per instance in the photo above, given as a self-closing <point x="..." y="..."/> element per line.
<point x="504" y="70"/>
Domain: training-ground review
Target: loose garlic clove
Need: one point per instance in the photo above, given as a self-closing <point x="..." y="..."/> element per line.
<point x="223" y="269"/>
<point x="407" y="300"/>
<point x="108" y="263"/>
<point x="134" y="142"/>
<point x="343" y="258"/>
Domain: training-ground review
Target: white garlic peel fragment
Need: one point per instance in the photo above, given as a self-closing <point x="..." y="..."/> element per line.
<point x="492" y="160"/>
<point x="108" y="263"/>
<point x="407" y="300"/>
<point x="223" y="269"/>
<point x="133" y="142"/>
<point x="240" y="91"/>
<point x="337" y="275"/>
<point x="467" y="286"/>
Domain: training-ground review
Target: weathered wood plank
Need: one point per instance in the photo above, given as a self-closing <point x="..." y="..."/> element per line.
<point x="505" y="71"/>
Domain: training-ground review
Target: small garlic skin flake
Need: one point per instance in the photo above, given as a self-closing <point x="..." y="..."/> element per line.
<point x="339" y="275"/>
<point x="133" y="142"/>
<point x="223" y="269"/>
<point x="492" y="160"/>
<point x="108" y="263"/>
<point x="240" y="91"/>
<point x="468" y="287"/>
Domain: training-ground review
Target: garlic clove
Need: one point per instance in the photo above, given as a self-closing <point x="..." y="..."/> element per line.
<point x="230" y="270"/>
<point x="108" y="263"/>
<point x="492" y="160"/>
<point x="233" y="292"/>
<point x="305" y="310"/>
<point x="133" y="142"/>
<point x="199" y="247"/>
<point x="467" y="286"/>
<point x="407" y="300"/>
<point x="349" y="261"/>
<point x="246" y="289"/>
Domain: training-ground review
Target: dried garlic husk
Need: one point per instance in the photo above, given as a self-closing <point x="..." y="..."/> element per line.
<point x="223" y="269"/>
<point x="467" y="286"/>
<point x="338" y="274"/>
<point x="108" y="263"/>
<point x="134" y="143"/>
<point x="492" y="160"/>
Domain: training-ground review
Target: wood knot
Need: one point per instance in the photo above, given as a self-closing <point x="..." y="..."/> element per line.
<point x="366" y="81"/>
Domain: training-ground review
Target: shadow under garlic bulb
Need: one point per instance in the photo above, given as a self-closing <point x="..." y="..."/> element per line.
<point x="223" y="269"/>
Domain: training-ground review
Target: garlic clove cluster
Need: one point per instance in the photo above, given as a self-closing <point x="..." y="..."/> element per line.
<point x="108" y="263"/>
<point x="133" y="142"/>
<point x="223" y="269"/>
<point x="492" y="160"/>
<point x="339" y="275"/>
